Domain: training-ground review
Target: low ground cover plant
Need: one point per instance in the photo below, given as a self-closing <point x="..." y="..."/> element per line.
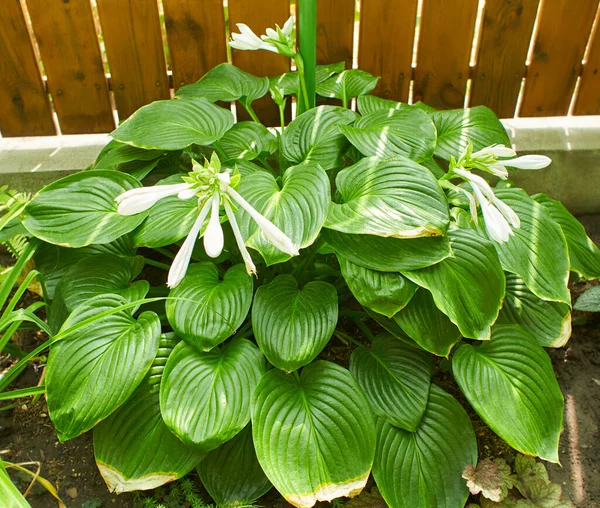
<point x="273" y="241"/>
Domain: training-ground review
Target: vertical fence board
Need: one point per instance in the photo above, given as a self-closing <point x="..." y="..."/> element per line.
<point x="69" y="48"/>
<point x="563" y="31"/>
<point x="260" y="15"/>
<point x="196" y="36"/>
<point x="445" y="38"/>
<point x="588" y="99"/>
<point x="134" y="47"/>
<point x="382" y="21"/>
<point x="24" y="105"/>
<point x="335" y="31"/>
<point x="505" y="36"/>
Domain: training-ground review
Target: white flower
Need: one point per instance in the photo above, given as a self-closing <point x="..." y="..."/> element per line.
<point x="495" y="223"/>
<point x="248" y="40"/>
<point x="496" y="151"/>
<point x="137" y="200"/>
<point x="182" y="260"/>
<point x="286" y="31"/>
<point x="527" y="162"/>
<point x="239" y="239"/>
<point x="213" y="236"/>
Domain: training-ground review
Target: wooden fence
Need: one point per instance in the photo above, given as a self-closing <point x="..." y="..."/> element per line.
<point x="72" y="63"/>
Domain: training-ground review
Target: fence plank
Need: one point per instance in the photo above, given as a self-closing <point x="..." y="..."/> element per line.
<point x="445" y="39"/>
<point x="260" y="15"/>
<point x="24" y="105"/>
<point x="69" y="49"/>
<point x="501" y="62"/>
<point x="196" y="36"/>
<point x="588" y="99"/>
<point x="557" y="55"/>
<point x="335" y="31"/>
<point x="134" y="47"/>
<point x="393" y="62"/>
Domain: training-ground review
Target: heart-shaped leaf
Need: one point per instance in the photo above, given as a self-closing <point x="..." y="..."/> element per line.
<point x="80" y="209"/>
<point x="584" y="256"/>
<point x="537" y="251"/>
<point x="205" y="310"/>
<point x="288" y="83"/>
<point x="226" y="83"/>
<point x="423" y="469"/>
<point x="395" y="197"/>
<point x="388" y="254"/>
<point x="367" y="104"/>
<point x="386" y="133"/>
<point x="548" y="322"/>
<point x="96" y="368"/>
<point x="205" y="396"/>
<point x="395" y="378"/>
<point x="315" y="137"/>
<point x="347" y="84"/>
<point x="428" y="326"/>
<point x="169" y="220"/>
<point x="469" y="286"/>
<point x="174" y="124"/>
<point x="383" y="292"/>
<point x="232" y="475"/>
<point x="133" y="447"/>
<point x="457" y="127"/>
<point x="314" y="434"/>
<point x="514" y="369"/>
<point x="116" y="154"/>
<point x="247" y="141"/>
<point x="299" y="208"/>
<point x="293" y="325"/>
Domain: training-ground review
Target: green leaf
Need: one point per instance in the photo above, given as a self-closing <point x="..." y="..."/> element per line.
<point x="368" y="104"/>
<point x="383" y="292"/>
<point x="174" y="124"/>
<point x="395" y="378"/>
<point x="80" y="209"/>
<point x="288" y="83"/>
<point x="293" y="325"/>
<point x="247" y="141"/>
<point x="469" y="286"/>
<point x="589" y="301"/>
<point x="315" y="136"/>
<point x="314" y="435"/>
<point x="298" y="207"/>
<point x="548" y="322"/>
<point x="584" y="256"/>
<point x="395" y="197"/>
<point x="428" y="326"/>
<point x="169" y="220"/>
<point x="537" y="251"/>
<point x="457" y="127"/>
<point x="386" y="133"/>
<point x="94" y="276"/>
<point x="96" y="368"/>
<point x="514" y="369"/>
<point x="388" y="254"/>
<point x="133" y="447"/>
<point x="205" y="396"/>
<point x="226" y="83"/>
<point x="232" y="475"/>
<point x="205" y="310"/>
<point x="423" y="469"/>
<point x="348" y="84"/>
<point x="120" y="153"/>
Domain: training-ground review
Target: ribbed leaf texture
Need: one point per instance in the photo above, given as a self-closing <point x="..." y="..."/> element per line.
<point x="248" y="140"/>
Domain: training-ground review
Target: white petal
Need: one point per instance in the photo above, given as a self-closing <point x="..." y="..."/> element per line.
<point x="137" y="200"/>
<point x="472" y="205"/>
<point x="213" y="236"/>
<point x="239" y="45"/>
<point x="248" y="33"/>
<point x="476" y="180"/>
<point x="239" y="239"/>
<point x="508" y="212"/>
<point x="528" y="162"/>
<point x="269" y="47"/>
<point x="271" y="34"/>
<point x="182" y="260"/>
<point x="495" y="224"/>
<point x="497" y="150"/>
<point x="498" y="170"/>
<point x="187" y="194"/>
<point x="272" y="233"/>
<point x="288" y="26"/>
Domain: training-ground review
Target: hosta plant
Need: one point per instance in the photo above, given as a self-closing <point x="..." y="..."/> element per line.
<point x="381" y="229"/>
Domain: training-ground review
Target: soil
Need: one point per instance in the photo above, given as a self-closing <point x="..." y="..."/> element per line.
<point x="27" y="435"/>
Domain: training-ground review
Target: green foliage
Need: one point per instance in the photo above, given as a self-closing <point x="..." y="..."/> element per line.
<point x="301" y="227"/>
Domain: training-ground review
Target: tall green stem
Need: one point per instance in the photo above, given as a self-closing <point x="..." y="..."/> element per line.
<point x="307" y="35"/>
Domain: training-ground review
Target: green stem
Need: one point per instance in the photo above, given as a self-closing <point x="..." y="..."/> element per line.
<point x="219" y="150"/>
<point x="248" y="107"/>
<point x="344" y="336"/>
<point x="307" y="38"/>
<point x="304" y="102"/>
<point x="157" y="264"/>
<point x="282" y="116"/>
<point x="165" y="252"/>
<point x="365" y="329"/>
